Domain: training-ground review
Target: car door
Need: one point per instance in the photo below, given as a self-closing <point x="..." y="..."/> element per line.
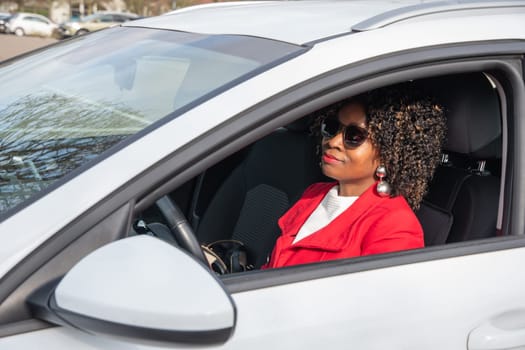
<point x="448" y="297"/>
<point x="36" y="26"/>
<point x="464" y="295"/>
<point x="41" y="27"/>
<point x="29" y="24"/>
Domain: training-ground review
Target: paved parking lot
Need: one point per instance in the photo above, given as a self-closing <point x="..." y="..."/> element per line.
<point x="11" y="45"/>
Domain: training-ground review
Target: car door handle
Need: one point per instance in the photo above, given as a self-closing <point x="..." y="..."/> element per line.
<point x="503" y="331"/>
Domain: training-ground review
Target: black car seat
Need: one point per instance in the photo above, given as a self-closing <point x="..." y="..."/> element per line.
<point x="270" y="178"/>
<point x="462" y="184"/>
<point x="436" y="223"/>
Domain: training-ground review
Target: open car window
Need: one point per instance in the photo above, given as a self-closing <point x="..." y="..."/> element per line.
<point x="242" y="197"/>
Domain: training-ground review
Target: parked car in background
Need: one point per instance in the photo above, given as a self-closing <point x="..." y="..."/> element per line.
<point x="96" y="21"/>
<point x="124" y="150"/>
<point x="4" y="16"/>
<point x="31" y="24"/>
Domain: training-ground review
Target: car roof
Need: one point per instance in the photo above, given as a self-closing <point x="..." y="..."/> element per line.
<point x="31" y="14"/>
<point x="302" y="22"/>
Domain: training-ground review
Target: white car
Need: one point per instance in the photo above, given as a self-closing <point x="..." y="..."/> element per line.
<point x="31" y="24"/>
<point x="96" y="21"/>
<point x="124" y="151"/>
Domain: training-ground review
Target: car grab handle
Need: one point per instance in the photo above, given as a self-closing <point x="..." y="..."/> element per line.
<point x="504" y="331"/>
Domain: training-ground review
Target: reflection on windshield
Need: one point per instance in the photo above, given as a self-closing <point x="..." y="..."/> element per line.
<point x="62" y="107"/>
<point x="34" y="152"/>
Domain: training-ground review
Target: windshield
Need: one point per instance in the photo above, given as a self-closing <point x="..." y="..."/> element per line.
<point x="62" y="107"/>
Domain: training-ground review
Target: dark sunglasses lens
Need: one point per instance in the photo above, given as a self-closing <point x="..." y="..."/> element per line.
<point x="330" y="127"/>
<point x="354" y="136"/>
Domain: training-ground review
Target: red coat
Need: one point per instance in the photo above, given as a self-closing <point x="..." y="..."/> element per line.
<point x="371" y="225"/>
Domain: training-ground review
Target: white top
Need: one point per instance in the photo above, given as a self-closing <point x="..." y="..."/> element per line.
<point x="266" y="19"/>
<point x="330" y="207"/>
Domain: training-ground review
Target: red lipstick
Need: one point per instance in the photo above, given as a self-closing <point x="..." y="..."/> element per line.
<point x="328" y="158"/>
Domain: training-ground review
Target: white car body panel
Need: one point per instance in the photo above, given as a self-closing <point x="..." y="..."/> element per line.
<point x="300" y="17"/>
<point x="402" y="312"/>
<point x="448" y="318"/>
<point x="39" y="224"/>
<point x="268" y="18"/>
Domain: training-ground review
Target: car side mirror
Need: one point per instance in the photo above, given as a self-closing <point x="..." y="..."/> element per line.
<point x="140" y="288"/>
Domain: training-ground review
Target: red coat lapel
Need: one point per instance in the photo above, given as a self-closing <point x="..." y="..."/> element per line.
<point x="334" y="236"/>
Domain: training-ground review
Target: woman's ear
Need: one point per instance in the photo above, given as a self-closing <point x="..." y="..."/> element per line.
<point x="377" y="159"/>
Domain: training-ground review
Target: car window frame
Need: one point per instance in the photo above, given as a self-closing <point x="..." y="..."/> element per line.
<point x="260" y="120"/>
<point x="505" y="65"/>
<point x="415" y="72"/>
<point x="263" y="279"/>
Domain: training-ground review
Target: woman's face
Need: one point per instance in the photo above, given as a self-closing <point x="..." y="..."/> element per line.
<point x="353" y="168"/>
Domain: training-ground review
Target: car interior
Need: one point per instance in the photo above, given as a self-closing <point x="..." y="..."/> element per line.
<point x="241" y="197"/>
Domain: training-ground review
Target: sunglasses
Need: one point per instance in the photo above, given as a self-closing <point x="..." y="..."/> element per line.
<point x="353" y="135"/>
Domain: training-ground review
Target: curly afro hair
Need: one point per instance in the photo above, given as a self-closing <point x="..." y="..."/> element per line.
<point x="408" y="128"/>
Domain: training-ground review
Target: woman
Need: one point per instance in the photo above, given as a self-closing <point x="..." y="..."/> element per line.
<point x="382" y="149"/>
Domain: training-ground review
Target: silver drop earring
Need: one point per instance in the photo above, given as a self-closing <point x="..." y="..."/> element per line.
<point x="383" y="188"/>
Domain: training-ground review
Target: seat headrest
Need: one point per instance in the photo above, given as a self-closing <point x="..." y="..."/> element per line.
<point x="473" y="114"/>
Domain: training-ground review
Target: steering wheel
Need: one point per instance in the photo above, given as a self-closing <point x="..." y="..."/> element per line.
<point x="180" y="228"/>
